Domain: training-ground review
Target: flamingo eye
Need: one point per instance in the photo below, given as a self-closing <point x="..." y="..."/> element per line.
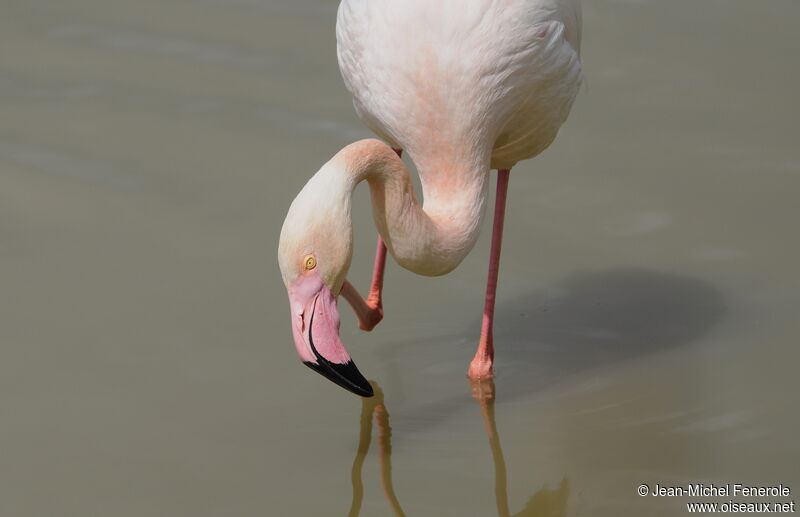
<point x="310" y="262"/>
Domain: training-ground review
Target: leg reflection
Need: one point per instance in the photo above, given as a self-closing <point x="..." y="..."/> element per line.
<point x="364" y="437"/>
<point x="483" y="393"/>
<point x="545" y="502"/>
<point x="374" y="405"/>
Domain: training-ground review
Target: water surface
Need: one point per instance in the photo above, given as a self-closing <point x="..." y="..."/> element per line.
<point x="647" y="313"/>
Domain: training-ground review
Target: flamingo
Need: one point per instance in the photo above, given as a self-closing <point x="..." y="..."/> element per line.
<point x="464" y="87"/>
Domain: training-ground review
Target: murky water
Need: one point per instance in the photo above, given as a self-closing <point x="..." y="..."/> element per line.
<point x="647" y="317"/>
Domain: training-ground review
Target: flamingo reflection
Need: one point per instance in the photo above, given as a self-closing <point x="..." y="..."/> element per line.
<point x="374" y="405"/>
<point x="544" y="503"/>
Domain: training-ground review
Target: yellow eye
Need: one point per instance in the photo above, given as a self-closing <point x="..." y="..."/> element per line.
<point x="310" y="262"/>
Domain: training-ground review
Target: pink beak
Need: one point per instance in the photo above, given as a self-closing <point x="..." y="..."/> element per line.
<point x="315" y="326"/>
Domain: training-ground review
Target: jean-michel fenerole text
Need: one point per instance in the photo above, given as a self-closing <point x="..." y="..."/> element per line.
<point x="722" y="490"/>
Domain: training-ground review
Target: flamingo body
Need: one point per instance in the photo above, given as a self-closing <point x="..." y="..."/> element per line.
<point x="452" y="77"/>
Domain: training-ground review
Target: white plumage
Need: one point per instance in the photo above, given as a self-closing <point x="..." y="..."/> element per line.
<point x="446" y="78"/>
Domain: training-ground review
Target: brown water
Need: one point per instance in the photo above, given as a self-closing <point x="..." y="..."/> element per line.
<point x="648" y="309"/>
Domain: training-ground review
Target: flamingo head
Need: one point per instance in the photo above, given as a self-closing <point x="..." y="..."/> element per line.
<point x="314" y="256"/>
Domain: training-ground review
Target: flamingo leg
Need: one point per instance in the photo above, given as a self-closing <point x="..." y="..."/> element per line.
<point x="376" y="287"/>
<point x="367" y="311"/>
<point x="481" y="365"/>
<point x="370" y="310"/>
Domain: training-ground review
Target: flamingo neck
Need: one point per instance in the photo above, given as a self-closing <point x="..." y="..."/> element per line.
<point x="430" y="240"/>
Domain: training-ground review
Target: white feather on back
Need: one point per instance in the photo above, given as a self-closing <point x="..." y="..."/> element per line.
<point x="447" y="79"/>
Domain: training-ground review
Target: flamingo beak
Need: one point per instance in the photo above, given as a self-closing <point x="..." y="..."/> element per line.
<point x="315" y="326"/>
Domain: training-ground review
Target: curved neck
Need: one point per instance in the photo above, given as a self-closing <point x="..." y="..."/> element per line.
<point x="430" y="240"/>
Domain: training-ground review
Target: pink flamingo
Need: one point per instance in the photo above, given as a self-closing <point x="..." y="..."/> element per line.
<point x="464" y="86"/>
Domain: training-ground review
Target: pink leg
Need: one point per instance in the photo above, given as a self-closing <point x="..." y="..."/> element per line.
<point x="481" y="365"/>
<point x="368" y="314"/>
<point x="370" y="311"/>
<point x="374" y="298"/>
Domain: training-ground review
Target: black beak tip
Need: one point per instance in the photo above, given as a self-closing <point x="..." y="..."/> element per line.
<point x="345" y="375"/>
